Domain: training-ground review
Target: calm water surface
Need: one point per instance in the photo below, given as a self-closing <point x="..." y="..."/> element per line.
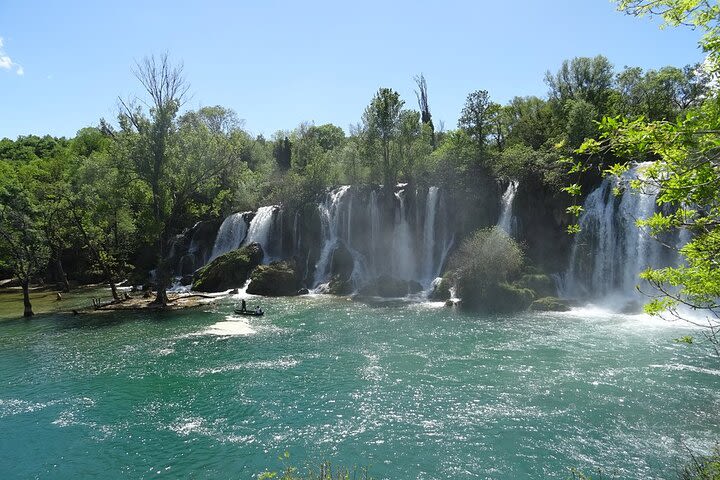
<point x="410" y="391"/>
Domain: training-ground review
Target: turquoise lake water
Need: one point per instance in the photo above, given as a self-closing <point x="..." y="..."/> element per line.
<point x="409" y="391"/>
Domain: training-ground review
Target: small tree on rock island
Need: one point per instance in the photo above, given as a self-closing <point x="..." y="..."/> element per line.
<point x="482" y="267"/>
<point x="23" y="249"/>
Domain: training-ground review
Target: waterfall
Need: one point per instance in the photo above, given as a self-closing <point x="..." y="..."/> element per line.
<point x="230" y="235"/>
<point x="374" y="225"/>
<point x="330" y="213"/>
<point x="610" y="251"/>
<point x="430" y="268"/>
<point x="506" y="221"/>
<point x="445" y="234"/>
<point x="403" y="255"/>
<point x="296" y="233"/>
<point x="261" y="228"/>
<point x="408" y="239"/>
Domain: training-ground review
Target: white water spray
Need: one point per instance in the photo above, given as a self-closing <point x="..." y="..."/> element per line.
<point x="260" y="229"/>
<point x="506" y="221"/>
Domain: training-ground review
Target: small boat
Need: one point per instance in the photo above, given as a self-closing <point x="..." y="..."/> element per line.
<point x="250" y="313"/>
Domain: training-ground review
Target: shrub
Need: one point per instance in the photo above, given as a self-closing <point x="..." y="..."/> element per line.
<point x="482" y="267"/>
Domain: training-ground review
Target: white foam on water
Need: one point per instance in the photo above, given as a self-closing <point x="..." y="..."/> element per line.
<point x="688" y="368"/>
<point x="231" y="327"/>
<point x="186" y="426"/>
<point x="199" y="426"/>
<point x="13" y="406"/>
<point x="282" y="363"/>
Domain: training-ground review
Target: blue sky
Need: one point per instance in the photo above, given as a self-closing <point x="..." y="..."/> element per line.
<point x="278" y="63"/>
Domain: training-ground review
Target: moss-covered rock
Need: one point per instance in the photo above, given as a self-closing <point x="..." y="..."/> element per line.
<point x="550" y="304"/>
<point x="279" y="279"/>
<point x="541" y="284"/>
<point x="500" y="298"/>
<point x="389" y="287"/>
<point x="227" y="271"/>
<point x="441" y="290"/>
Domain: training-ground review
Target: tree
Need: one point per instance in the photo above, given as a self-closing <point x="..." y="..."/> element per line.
<point x="530" y="121"/>
<point x="499" y="124"/>
<point x="97" y="204"/>
<point x="282" y="152"/>
<point x="660" y="94"/>
<point x="582" y="78"/>
<point x="23" y="248"/>
<point x="166" y="87"/>
<point x="328" y="136"/>
<point x="476" y="117"/>
<point x="422" y="98"/>
<point x="381" y="121"/>
<point x="305" y="146"/>
<point x="180" y="159"/>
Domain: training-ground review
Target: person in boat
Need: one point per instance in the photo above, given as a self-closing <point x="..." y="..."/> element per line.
<point x="243" y="307"/>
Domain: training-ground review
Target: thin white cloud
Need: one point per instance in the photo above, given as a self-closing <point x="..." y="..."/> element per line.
<point x="6" y="62"/>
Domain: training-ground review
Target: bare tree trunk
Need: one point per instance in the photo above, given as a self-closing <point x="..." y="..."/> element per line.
<point x="26" y="298"/>
<point x="162" y="277"/>
<point x="62" y="277"/>
<point x="113" y="289"/>
<point x="161" y="298"/>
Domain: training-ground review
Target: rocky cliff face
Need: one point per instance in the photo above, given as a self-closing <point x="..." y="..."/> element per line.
<point x="541" y="222"/>
<point x="192" y="249"/>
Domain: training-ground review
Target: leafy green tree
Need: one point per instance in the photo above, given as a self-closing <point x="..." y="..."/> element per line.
<point x="100" y="202"/>
<point x="531" y="121"/>
<point x="476" y="117"/>
<point x="582" y="78"/>
<point x="580" y="122"/>
<point x="482" y="266"/>
<point x="305" y="146"/>
<point x="382" y="123"/>
<point x="660" y="95"/>
<point x="328" y="136"/>
<point x="23" y="247"/>
<point x="499" y="121"/>
<point x="151" y="136"/>
<point x="282" y="152"/>
<point x="409" y="132"/>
